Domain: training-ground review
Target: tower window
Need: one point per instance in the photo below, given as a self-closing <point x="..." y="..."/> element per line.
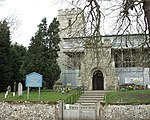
<point x="69" y="27"/>
<point x="69" y="22"/>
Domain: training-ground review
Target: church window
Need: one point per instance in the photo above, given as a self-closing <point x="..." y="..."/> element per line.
<point x="69" y="22"/>
<point x="69" y="27"/>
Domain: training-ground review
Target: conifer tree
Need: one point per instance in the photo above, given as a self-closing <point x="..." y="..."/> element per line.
<point x="42" y="53"/>
<point x="5" y="56"/>
<point x="18" y="53"/>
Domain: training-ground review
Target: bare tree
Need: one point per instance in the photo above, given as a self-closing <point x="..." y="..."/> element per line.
<point x="140" y="7"/>
<point x="133" y="17"/>
<point x="1" y="2"/>
<point x="13" y="23"/>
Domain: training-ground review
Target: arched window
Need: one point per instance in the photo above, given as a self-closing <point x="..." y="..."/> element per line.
<point x="69" y="22"/>
<point x="69" y="27"/>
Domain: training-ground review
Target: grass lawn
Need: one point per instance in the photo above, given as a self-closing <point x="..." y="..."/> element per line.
<point x="45" y="96"/>
<point x="128" y="97"/>
<point x="117" y="97"/>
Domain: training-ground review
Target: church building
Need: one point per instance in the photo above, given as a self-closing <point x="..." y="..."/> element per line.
<point x="99" y="62"/>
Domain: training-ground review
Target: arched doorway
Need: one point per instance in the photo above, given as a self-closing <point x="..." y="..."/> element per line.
<point x="98" y="80"/>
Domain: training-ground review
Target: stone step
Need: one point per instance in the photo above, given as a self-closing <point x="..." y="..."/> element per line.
<point x="90" y="94"/>
<point x="91" y="97"/>
<point x="98" y="96"/>
<point x="87" y="101"/>
<point x="94" y="92"/>
<point x="86" y="98"/>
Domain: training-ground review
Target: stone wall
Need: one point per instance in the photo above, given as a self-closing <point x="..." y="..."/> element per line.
<point x="28" y="111"/>
<point x="125" y="112"/>
<point x="76" y="28"/>
<point x="99" y="58"/>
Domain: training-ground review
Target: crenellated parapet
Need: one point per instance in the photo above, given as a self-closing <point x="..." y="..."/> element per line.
<point x="72" y="11"/>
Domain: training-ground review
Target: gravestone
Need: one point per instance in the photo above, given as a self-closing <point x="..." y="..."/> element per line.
<point x="6" y="94"/>
<point x="19" y="89"/>
<point x="148" y="86"/>
<point x="15" y="84"/>
<point x="9" y="89"/>
<point x="14" y="92"/>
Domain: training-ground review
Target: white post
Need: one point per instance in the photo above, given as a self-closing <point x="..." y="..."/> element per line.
<point x="39" y="93"/>
<point x="61" y="107"/>
<point x="97" y="105"/>
<point x="28" y="93"/>
<point x="79" y="110"/>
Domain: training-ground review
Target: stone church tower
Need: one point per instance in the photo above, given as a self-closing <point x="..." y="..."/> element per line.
<point x="95" y="66"/>
<point x="98" y="68"/>
<point x="71" y="23"/>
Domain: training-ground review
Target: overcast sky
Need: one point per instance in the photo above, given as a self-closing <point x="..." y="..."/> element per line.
<point x="28" y="13"/>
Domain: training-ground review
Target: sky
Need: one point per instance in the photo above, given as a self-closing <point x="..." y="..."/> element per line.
<point x="27" y="14"/>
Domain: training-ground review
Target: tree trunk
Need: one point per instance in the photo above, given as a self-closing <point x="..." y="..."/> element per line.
<point x="146" y="8"/>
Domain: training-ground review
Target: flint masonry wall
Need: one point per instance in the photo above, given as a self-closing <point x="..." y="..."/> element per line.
<point x="125" y="112"/>
<point x="28" y="111"/>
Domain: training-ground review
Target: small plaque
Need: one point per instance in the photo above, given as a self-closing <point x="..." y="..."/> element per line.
<point x="67" y="106"/>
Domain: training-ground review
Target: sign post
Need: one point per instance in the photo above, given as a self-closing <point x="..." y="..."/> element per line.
<point x="33" y="80"/>
<point x="28" y="93"/>
<point x="39" y="93"/>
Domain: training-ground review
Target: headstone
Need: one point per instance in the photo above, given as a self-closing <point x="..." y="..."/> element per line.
<point x="14" y="90"/>
<point x="148" y="86"/>
<point x="14" y="94"/>
<point x="9" y="89"/>
<point x="6" y="94"/>
<point x="19" y="89"/>
<point x="15" y="84"/>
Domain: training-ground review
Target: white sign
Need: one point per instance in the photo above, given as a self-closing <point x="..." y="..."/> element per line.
<point x="127" y="80"/>
<point x="67" y="106"/>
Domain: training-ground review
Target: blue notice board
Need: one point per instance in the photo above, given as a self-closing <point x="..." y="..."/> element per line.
<point x="34" y="80"/>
